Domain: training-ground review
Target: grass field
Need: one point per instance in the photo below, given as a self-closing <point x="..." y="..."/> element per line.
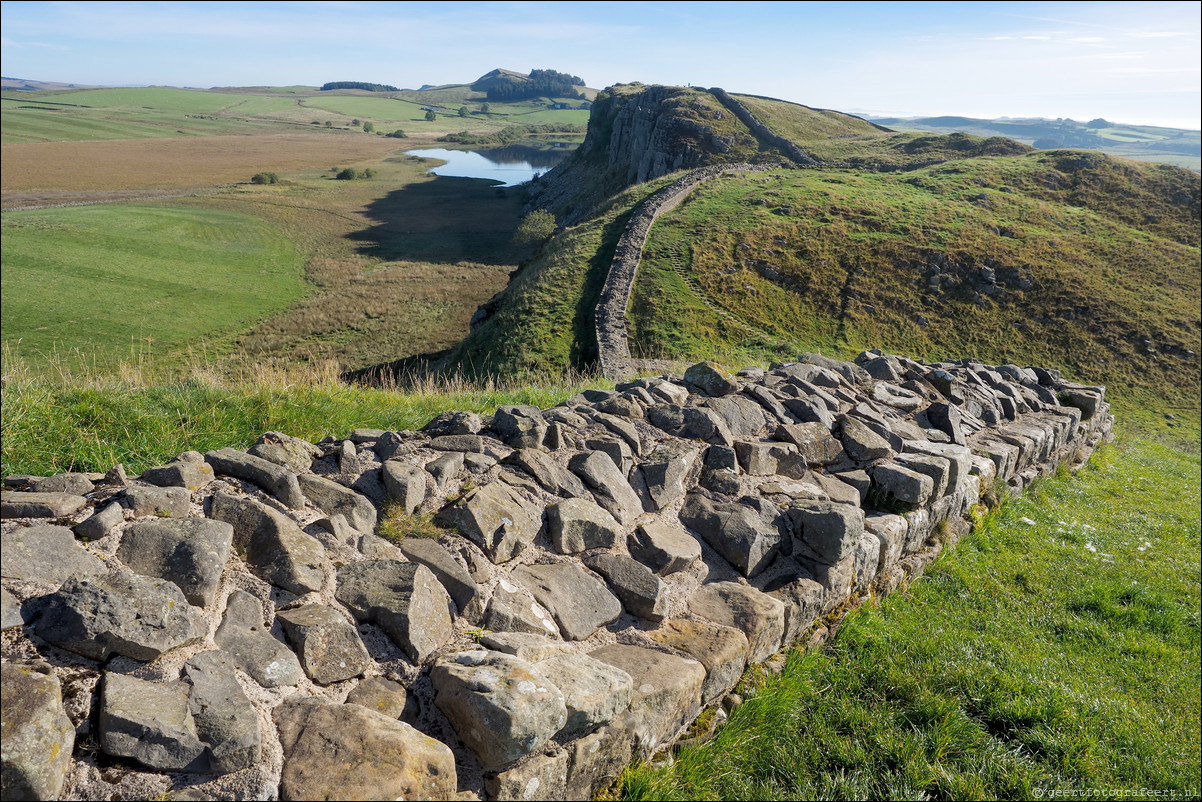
<point x="843" y="261"/>
<point x="116" y="280"/>
<point x="1054" y="653"/>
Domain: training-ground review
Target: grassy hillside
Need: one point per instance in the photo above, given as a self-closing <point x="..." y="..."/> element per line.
<point x="1094" y="266"/>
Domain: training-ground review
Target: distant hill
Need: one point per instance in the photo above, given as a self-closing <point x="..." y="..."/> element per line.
<point x="1179" y="146"/>
<point x="29" y="85"/>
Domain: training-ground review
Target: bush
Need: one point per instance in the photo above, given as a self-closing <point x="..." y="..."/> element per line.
<point x="346" y="174"/>
<point x="535" y="228"/>
<point x="431" y="116"/>
<point x="264" y="178"/>
<point x="369" y="127"/>
<point x="398" y="134"/>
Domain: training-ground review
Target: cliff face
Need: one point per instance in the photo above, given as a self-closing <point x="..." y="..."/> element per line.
<point x="638" y="133"/>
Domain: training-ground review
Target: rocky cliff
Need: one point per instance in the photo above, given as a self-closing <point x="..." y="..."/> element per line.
<point x="637" y="133"/>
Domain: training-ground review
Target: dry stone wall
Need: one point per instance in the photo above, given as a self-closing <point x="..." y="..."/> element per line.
<point x="613" y="346"/>
<point x="786" y="146"/>
<point x="232" y="625"/>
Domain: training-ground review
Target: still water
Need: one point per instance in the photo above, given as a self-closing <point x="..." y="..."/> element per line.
<point x="511" y="166"/>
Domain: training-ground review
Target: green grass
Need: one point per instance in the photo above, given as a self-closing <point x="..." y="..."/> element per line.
<point x="840" y="261"/>
<point x="90" y="420"/>
<point x="132" y="276"/>
<point x="1062" y="655"/>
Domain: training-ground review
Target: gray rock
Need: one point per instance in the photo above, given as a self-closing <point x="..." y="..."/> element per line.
<point x="453" y="423"/>
<point x="150" y="722"/>
<point x="757" y="615"/>
<point x="539" y="777"/>
<point x="861" y="443"/>
<point x="666" y="470"/>
<point x="883" y="368"/>
<point x="758" y="458"/>
<point x="691" y="423"/>
<point x="547" y="472"/>
<point x="134" y="616"/>
<point x="815" y="443"/>
<point x="810" y="410"/>
<point x="514" y="609"/>
<point x="641" y="592"/>
<point x="743" y="415"/>
<point x="624" y="429"/>
<point x="187" y="470"/>
<point x="38" y="735"/>
<point x="711" y="379"/>
<point x="298" y="454"/>
<point x="75" y="484"/>
<point x="17" y="504"/>
<point x="851" y="373"/>
<point x="502" y="708"/>
<point x="900" y="488"/>
<point x="580" y="603"/>
<point x="827" y="530"/>
<point x="496" y="518"/>
<point x="348" y="458"/>
<point x="735" y="531"/>
<point x="47" y="554"/>
<point x="250" y="644"/>
<point x="327" y="645"/>
<point x="272" y="544"/>
<point x="609" y="486"/>
<point x="520" y="426"/>
<point x="163" y="502"/>
<point x="802" y="598"/>
<point x="896" y="397"/>
<point x="392" y="445"/>
<point x="463" y="443"/>
<point x="836" y="489"/>
<point x="406" y="600"/>
<point x="576" y="525"/>
<point x="867" y="559"/>
<point x="721" y="649"/>
<point x="593" y="692"/>
<point x="525" y="645"/>
<point x="350" y="752"/>
<point x="366" y="435"/>
<point x="334" y="499"/>
<point x="191" y="553"/>
<point x="937" y="468"/>
<point x="616" y="448"/>
<point x="891" y="531"/>
<point x="225" y="719"/>
<point x="100" y="523"/>
<point x="663" y="548"/>
<point x="382" y="695"/>
<point x="769" y="401"/>
<point x="275" y="479"/>
<point x="947" y="419"/>
<point x="406" y="484"/>
<point x="859" y="480"/>
<point x="959" y="460"/>
<point x="10" y="611"/>
<point x="667" y="691"/>
<point x="454" y="577"/>
<point x="835" y="579"/>
<point x="445" y="469"/>
<point x="478" y="463"/>
<point x="622" y="406"/>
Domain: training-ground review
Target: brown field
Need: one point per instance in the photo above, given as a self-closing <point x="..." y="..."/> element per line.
<point x="62" y="172"/>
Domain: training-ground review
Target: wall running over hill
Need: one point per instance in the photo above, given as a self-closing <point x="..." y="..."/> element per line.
<point x="613" y="345"/>
<point x="232" y="625"/>
<point x="786" y="146"/>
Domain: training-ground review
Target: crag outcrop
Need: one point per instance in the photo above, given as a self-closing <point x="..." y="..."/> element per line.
<point x="233" y="625"/>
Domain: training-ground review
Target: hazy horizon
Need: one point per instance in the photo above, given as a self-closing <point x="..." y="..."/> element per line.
<point x="1130" y="63"/>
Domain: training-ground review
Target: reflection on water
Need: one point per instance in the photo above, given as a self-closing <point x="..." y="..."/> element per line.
<point x="511" y="165"/>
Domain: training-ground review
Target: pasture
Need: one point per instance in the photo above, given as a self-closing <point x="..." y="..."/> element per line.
<point x="117" y="280"/>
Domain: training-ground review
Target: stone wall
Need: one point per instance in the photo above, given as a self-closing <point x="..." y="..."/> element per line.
<point x="232" y="625"/>
<point x="786" y="146"/>
<point x="613" y="347"/>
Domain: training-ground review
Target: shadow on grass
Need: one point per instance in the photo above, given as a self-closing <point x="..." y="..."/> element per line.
<point x="424" y="222"/>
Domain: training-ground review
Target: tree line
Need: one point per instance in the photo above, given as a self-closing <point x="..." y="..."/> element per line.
<point x="358" y="85"/>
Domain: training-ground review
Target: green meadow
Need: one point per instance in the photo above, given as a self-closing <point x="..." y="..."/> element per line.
<point x="115" y="280"/>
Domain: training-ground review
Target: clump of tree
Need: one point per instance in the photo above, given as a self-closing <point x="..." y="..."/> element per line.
<point x="368" y="127"/>
<point x="431" y="116"/>
<point x="367" y="87"/>
<point x="535" y="229"/>
<point x="351" y="174"/>
<point x="503" y="86"/>
<point x="264" y="178"/>
<point x="397" y="134"/>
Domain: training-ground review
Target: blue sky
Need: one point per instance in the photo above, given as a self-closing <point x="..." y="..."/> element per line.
<point x="1129" y="62"/>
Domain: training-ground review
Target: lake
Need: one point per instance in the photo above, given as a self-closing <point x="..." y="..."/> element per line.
<point x="511" y="165"/>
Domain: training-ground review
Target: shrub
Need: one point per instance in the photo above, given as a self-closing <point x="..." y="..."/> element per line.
<point x="264" y="178"/>
<point x="368" y="127"/>
<point x="431" y="116"/>
<point x="346" y="174"/>
<point x="535" y="228"/>
<point x="398" y="134"/>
